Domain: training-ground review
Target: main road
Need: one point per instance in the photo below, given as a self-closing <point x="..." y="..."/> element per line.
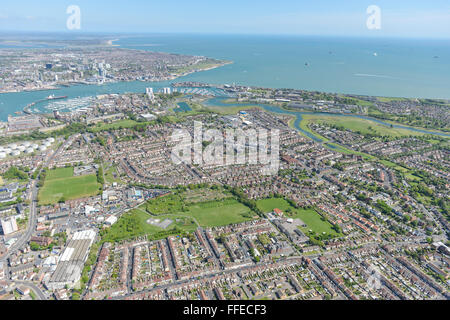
<point x="30" y="227"/>
<point x="33" y="210"/>
<point x="32" y="222"/>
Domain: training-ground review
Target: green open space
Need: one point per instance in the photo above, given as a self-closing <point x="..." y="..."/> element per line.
<point x="364" y="126"/>
<point x="203" y="195"/>
<point x="412" y="177"/>
<point x="202" y="65"/>
<point x="219" y="213"/>
<point x="355" y="101"/>
<point x="393" y="165"/>
<point x="114" y="125"/>
<point x="61" y="185"/>
<point x="390" y="99"/>
<point x="186" y="216"/>
<point x="313" y="220"/>
<point x="232" y="106"/>
<point x="304" y="125"/>
<point x="59" y="173"/>
<point x="134" y="224"/>
<point x="111" y="175"/>
<point x="207" y="214"/>
<point x="166" y="204"/>
<point x="232" y="110"/>
<point x="267" y="205"/>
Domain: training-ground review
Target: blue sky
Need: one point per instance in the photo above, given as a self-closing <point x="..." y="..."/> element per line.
<point x="400" y="18"/>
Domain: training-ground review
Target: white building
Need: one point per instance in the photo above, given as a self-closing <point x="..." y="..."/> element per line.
<point x="148" y="116"/>
<point x="88" y="210"/>
<point x="71" y="261"/>
<point x="149" y="93"/>
<point x="9" y="225"/>
<point x="111" y="220"/>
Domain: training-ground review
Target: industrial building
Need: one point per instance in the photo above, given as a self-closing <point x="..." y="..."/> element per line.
<point x="71" y="262"/>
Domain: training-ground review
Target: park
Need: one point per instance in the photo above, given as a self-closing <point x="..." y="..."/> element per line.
<point x="313" y="220"/>
<point x="61" y="185"/>
<point x="188" y="210"/>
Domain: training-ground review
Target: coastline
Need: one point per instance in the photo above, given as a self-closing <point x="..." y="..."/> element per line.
<point x="236" y="107"/>
<point x="232" y="107"/>
<point x="72" y="83"/>
<point x="382" y="121"/>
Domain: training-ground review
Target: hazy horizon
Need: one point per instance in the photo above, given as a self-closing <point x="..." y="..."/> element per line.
<point x="402" y="19"/>
<point x="80" y="34"/>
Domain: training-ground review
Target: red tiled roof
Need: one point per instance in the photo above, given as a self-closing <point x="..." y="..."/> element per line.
<point x="277" y="211"/>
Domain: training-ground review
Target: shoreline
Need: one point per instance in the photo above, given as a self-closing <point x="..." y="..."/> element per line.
<point x="382" y="121"/>
<point x="234" y="108"/>
<point x="74" y="83"/>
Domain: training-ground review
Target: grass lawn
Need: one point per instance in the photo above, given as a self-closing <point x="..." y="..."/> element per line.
<point x="185" y="217"/>
<point x="59" y="173"/>
<point x="364" y="126"/>
<point x="171" y="203"/>
<point x="60" y="183"/>
<point x="203" y="195"/>
<point x="411" y="177"/>
<point x="304" y="125"/>
<point x="212" y="211"/>
<point x="134" y="224"/>
<point x="203" y="65"/>
<point x="393" y="165"/>
<point x="231" y="110"/>
<point x="310" y="217"/>
<point x="109" y="175"/>
<point x="231" y="107"/>
<point x="267" y="205"/>
<point x="390" y="99"/>
<point x="314" y="222"/>
<point x="212" y="214"/>
<point x="114" y="125"/>
<point x="206" y="214"/>
<point x="357" y="101"/>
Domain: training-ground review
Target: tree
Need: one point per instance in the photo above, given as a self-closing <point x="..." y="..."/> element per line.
<point x="100" y="178"/>
<point x="75" y="295"/>
<point x="15" y="173"/>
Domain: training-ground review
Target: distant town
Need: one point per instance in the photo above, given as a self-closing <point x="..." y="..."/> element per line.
<point x="92" y="206"/>
<point x="46" y="69"/>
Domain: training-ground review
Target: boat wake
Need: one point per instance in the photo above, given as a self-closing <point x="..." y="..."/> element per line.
<point x="374" y="76"/>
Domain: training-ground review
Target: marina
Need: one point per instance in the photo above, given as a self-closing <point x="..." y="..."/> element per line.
<point x="80" y="96"/>
<point x="199" y="151"/>
<point x="27" y="109"/>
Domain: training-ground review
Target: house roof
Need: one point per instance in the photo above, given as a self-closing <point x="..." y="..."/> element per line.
<point x="277" y="211"/>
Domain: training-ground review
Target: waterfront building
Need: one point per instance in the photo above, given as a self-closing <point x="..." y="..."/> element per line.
<point x="149" y="93"/>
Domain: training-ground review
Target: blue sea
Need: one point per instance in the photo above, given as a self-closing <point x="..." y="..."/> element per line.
<point x="414" y="68"/>
<point x="380" y="67"/>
